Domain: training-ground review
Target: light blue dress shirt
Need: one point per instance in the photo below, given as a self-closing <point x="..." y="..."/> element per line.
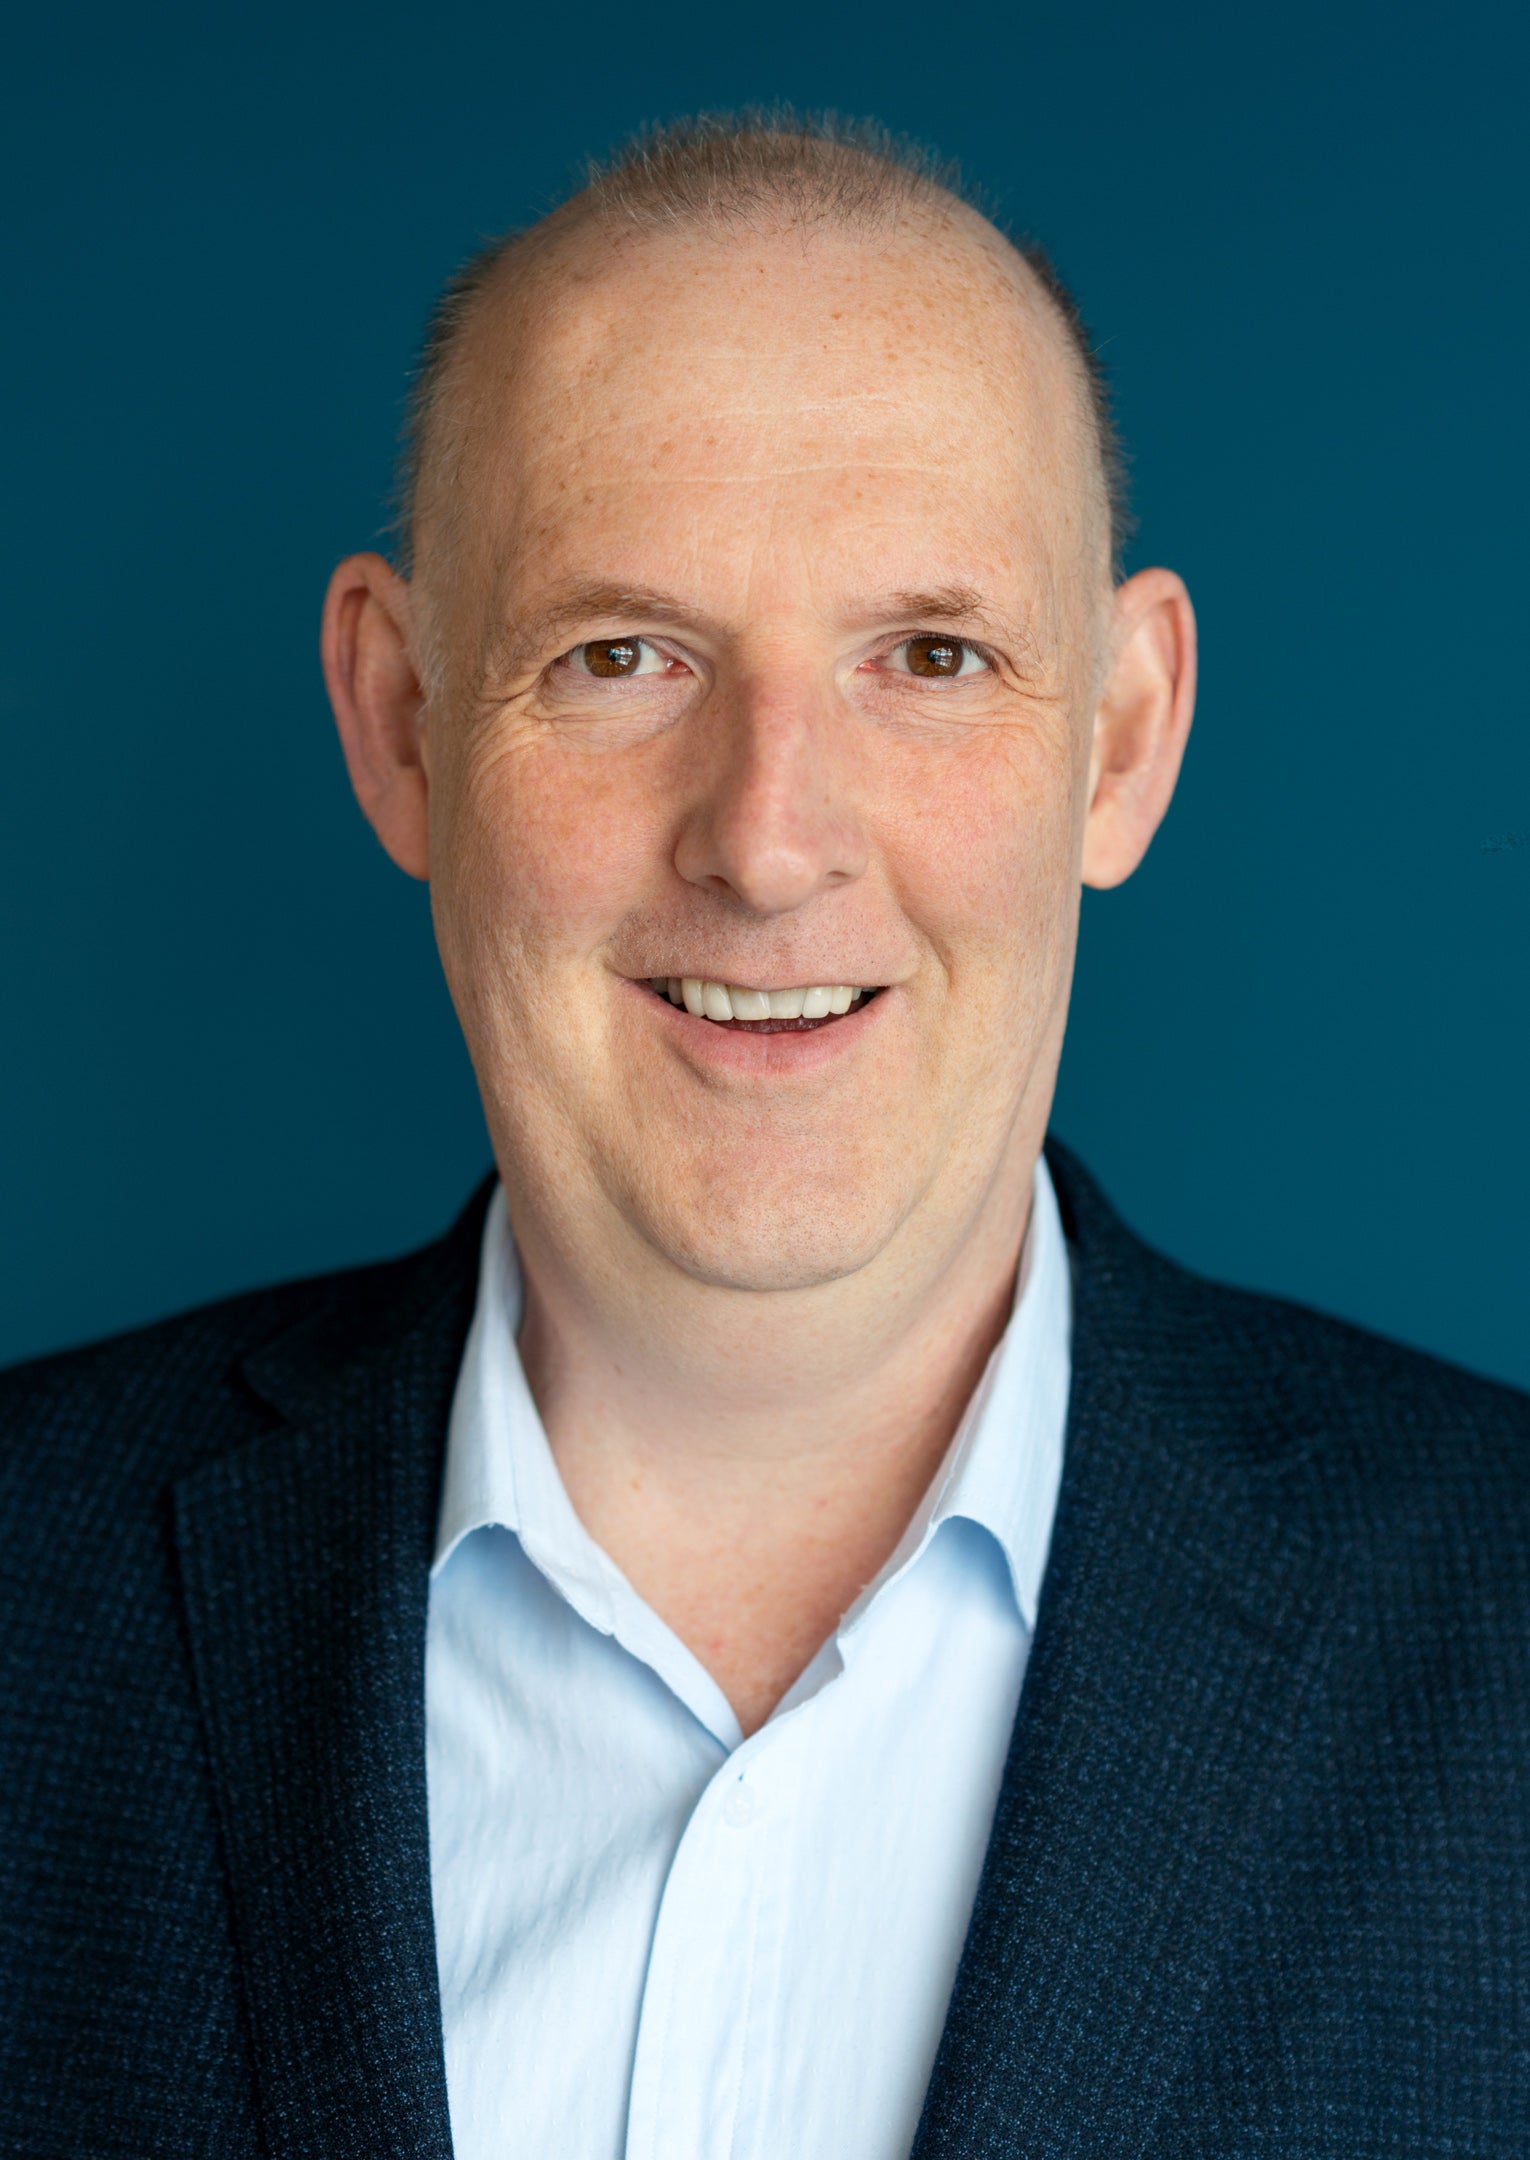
<point x="658" y="1940"/>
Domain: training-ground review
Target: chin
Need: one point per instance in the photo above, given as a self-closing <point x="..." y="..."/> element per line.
<point x="769" y="1262"/>
<point x="761" y="1236"/>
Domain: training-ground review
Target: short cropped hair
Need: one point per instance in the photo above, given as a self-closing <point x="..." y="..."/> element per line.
<point x="732" y="169"/>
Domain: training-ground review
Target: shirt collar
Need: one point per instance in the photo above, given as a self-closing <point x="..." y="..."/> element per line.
<point x="1002" y="1469"/>
<point x="499" y="1468"/>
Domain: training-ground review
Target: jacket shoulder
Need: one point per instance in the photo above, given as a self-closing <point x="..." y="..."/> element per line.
<point x="1284" y="1381"/>
<point x="1389" y="1432"/>
<point x="155" y="1401"/>
<point x="1331" y="1364"/>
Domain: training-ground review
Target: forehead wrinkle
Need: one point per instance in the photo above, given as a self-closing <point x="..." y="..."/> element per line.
<point x="846" y="467"/>
<point x="639" y="392"/>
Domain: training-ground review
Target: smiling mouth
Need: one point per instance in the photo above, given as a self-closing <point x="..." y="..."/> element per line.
<point x="760" y="1012"/>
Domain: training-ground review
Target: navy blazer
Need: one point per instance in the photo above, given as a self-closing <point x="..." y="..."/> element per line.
<point x="1259" y="1878"/>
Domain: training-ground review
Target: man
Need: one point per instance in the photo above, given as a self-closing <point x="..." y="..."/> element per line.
<point x="789" y="1632"/>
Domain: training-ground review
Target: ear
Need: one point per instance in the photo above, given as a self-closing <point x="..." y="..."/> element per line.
<point x="379" y="704"/>
<point x="1141" y="723"/>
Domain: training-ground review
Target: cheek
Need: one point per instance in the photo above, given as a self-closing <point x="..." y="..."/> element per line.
<point x="985" y="856"/>
<point x="545" y="849"/>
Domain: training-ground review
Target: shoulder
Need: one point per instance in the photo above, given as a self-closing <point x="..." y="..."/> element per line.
<point x="121" y="1417"/>
<point x="1399" y="1449"/>
<point x="1377" y="1423"/>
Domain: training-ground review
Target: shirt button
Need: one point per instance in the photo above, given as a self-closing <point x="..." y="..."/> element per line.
<point x="739" y="1807"/>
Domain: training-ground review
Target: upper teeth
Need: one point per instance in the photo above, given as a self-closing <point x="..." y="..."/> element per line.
<point x="735" y="1001"/>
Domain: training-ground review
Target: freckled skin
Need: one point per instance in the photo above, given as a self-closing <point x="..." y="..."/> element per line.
<point x="758" y="1296"/>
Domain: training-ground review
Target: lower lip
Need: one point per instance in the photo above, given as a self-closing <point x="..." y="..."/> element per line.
<point x="740" y="1050"/>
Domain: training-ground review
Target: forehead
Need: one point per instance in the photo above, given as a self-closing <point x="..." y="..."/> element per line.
<point x="914" y="378"/>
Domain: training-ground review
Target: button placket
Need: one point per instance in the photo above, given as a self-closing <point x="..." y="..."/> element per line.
<point x="698" y="2020"/>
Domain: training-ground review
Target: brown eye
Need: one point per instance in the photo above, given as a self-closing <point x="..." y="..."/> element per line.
<point x="935" y="655"/>
<point x="612" y="656"/>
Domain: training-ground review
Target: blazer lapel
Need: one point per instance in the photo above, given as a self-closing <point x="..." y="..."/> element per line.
<point x="305" y="1565"/>
<point x="1183" y="1623"/>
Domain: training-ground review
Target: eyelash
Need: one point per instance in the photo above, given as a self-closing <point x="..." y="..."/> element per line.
<point x="572" y="658"/>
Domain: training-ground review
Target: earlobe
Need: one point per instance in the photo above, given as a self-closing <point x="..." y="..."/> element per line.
<point x="1141" y="724"/>
<point x="379" y="704"/>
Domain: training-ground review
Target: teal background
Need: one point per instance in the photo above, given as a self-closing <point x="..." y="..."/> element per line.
<point x="1298" y="1056"/>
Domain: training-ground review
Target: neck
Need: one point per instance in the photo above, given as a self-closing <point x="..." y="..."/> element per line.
<point x="750" y="1460"/>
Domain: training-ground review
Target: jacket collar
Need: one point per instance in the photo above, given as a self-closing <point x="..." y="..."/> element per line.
<point x="1184" y="1624"/>
<point x="304" y="1561"/>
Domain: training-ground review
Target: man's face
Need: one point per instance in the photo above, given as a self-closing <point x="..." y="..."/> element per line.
<point x="771" y="657"/>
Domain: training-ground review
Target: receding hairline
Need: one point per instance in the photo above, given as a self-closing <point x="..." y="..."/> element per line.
<point x="735" y="173"/>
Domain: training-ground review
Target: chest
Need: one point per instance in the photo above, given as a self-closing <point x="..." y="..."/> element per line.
<point x="652" y="1942"/>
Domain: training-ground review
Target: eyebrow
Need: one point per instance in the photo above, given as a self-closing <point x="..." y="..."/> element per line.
<point x="962" y="606"/>
<point x="947" y="603"/>
<point x="586" y="603"/>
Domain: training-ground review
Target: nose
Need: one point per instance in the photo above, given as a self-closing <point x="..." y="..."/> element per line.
<point x="775" y="822"/>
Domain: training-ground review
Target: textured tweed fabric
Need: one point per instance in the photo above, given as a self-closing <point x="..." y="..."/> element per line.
<point x="1259" y="1880"/>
